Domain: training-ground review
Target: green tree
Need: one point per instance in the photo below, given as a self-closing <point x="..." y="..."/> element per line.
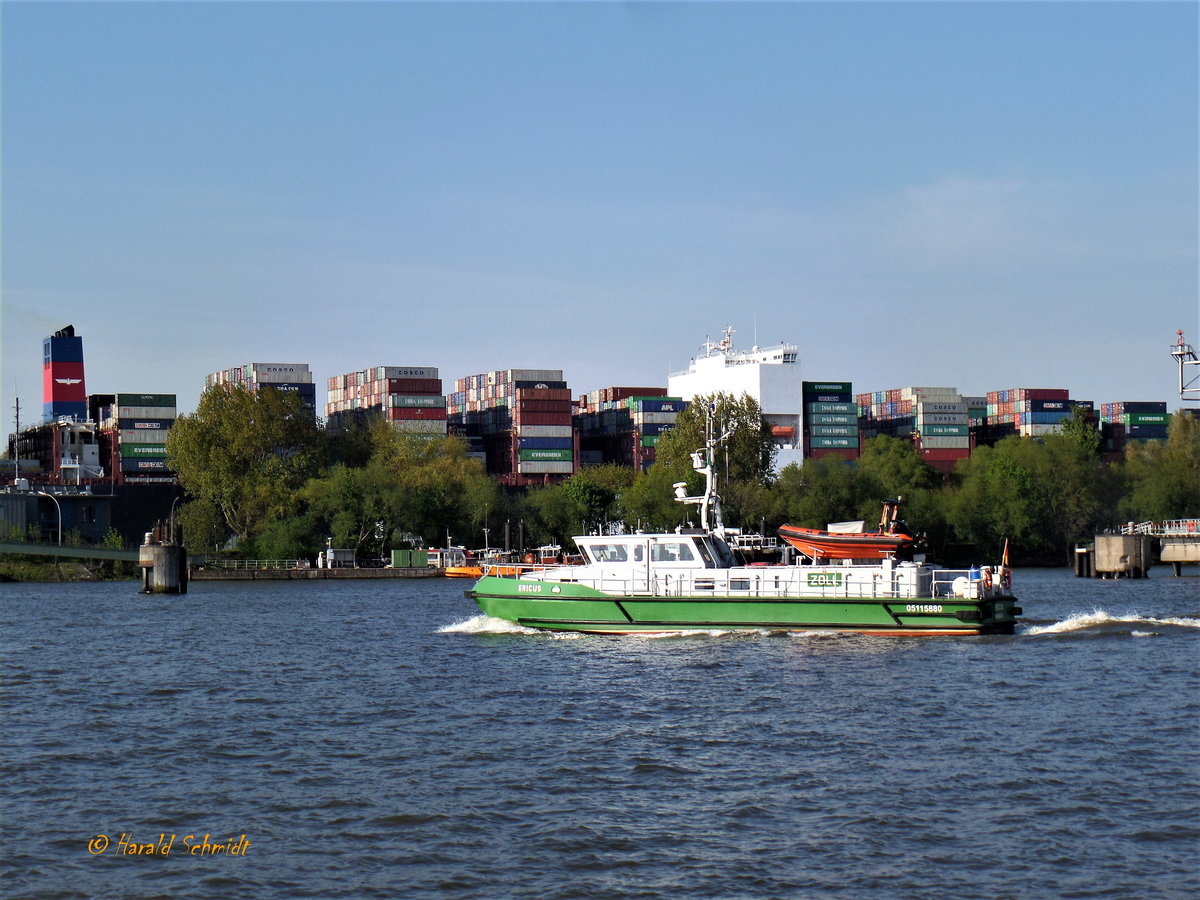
<point x="818" y="491"/>
<point x="246" y="453"/>
<point x="746" y="454"/>
<point x="1163" y="477"/>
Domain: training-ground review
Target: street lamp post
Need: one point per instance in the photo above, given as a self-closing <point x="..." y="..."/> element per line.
<point x="58" y="506"/>
<point x="172" y="515"/>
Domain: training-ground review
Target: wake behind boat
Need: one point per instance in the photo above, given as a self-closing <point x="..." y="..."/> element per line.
<point x="692" y="581"/>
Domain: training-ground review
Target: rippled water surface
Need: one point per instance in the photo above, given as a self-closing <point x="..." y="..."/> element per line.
<point x="381" y="739"/>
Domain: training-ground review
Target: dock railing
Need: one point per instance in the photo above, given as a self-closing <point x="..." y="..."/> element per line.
<point x="1169" y="528"/>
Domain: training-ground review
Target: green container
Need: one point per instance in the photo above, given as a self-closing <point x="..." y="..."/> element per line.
<point x="158" y="451"/>
<point x="827" y="387"/>
<point x="420" y="559"/>
<point x="548" y="455"/>
<point x="832" y="419"/>
<point x="823" y="408"/>
<point x="401" y="559"/>
<point x="944" y="430"/>
<point x="145" y="400"/>
<point x="825" y="443"/>
<point x="650" y="440"/>
<point x="833" y="430"/>
<point x="1147" y="418"/>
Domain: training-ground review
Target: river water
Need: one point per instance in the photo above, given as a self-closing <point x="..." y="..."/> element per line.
<point x="381" y="739"/>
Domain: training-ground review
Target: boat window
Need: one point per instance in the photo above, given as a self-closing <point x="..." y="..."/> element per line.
<point x="609" y="552"/>
<point x="638" y="553"/>
<point x="725" y="557"/>
<point x="672" y="551"/>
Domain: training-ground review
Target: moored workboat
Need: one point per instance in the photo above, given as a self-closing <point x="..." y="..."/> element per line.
<point x="691" y="581"/>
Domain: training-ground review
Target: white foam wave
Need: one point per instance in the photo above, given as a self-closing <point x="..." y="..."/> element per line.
<point x="1098" y="618"/>
<point x="486" y="625"/>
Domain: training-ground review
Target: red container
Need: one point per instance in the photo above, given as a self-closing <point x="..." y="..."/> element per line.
<point x="416" y="412"/>
<point x="414" y="385"/>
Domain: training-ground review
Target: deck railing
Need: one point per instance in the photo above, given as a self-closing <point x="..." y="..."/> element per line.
<point x="1169" y="528"/>
<point x="773" y="582"/>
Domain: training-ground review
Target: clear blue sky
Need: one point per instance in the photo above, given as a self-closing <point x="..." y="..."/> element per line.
<point x="977" y="195"/>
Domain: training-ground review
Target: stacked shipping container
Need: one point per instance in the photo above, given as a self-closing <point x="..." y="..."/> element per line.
<point x="281" y="376"/>
<point x="936" y="419"/>
<point x="1135" y="420"/>
<point x="521" y="419"/>
<point x="830" y="419"/>
<point x="135" y="427"/>
<point x="1031" y="411"/>
<point x="623" y="424"/>
<point x="409" y="397"/>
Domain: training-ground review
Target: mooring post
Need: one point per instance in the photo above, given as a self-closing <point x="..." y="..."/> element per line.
<point x="164" y="565"/>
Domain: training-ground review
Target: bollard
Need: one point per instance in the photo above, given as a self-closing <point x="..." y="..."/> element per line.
<point x="164" y="568"/>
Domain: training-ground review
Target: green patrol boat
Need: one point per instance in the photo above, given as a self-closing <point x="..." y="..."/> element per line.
<point x="690" y="580"/>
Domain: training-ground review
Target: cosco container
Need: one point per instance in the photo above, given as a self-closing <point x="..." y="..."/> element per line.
<point x="926" y="407"/>
<point x="942" y="419"/>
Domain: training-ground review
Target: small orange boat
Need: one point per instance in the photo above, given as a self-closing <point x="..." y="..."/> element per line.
<point x="849" y="541"/>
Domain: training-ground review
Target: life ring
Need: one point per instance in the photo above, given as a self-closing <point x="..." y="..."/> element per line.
<point x="987" y="578"/>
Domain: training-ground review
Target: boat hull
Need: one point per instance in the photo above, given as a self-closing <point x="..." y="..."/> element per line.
<point x="575" y="607"/>
<point x="852" y="545"/>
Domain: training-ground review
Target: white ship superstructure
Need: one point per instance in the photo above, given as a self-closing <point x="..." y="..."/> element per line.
<point x="771" y="375"/>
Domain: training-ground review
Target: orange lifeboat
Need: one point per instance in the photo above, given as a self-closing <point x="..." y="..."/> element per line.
<point x="892" y="539"/>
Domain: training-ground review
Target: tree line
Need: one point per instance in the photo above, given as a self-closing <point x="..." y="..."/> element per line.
<point x="266" y="478"/>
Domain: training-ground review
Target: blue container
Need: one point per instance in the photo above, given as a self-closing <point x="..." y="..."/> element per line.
<point x="1044" y="418"/>
<point x="651" y="430"/>
<point x="546" y="443"/>
<point x="1145" y="432"/>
